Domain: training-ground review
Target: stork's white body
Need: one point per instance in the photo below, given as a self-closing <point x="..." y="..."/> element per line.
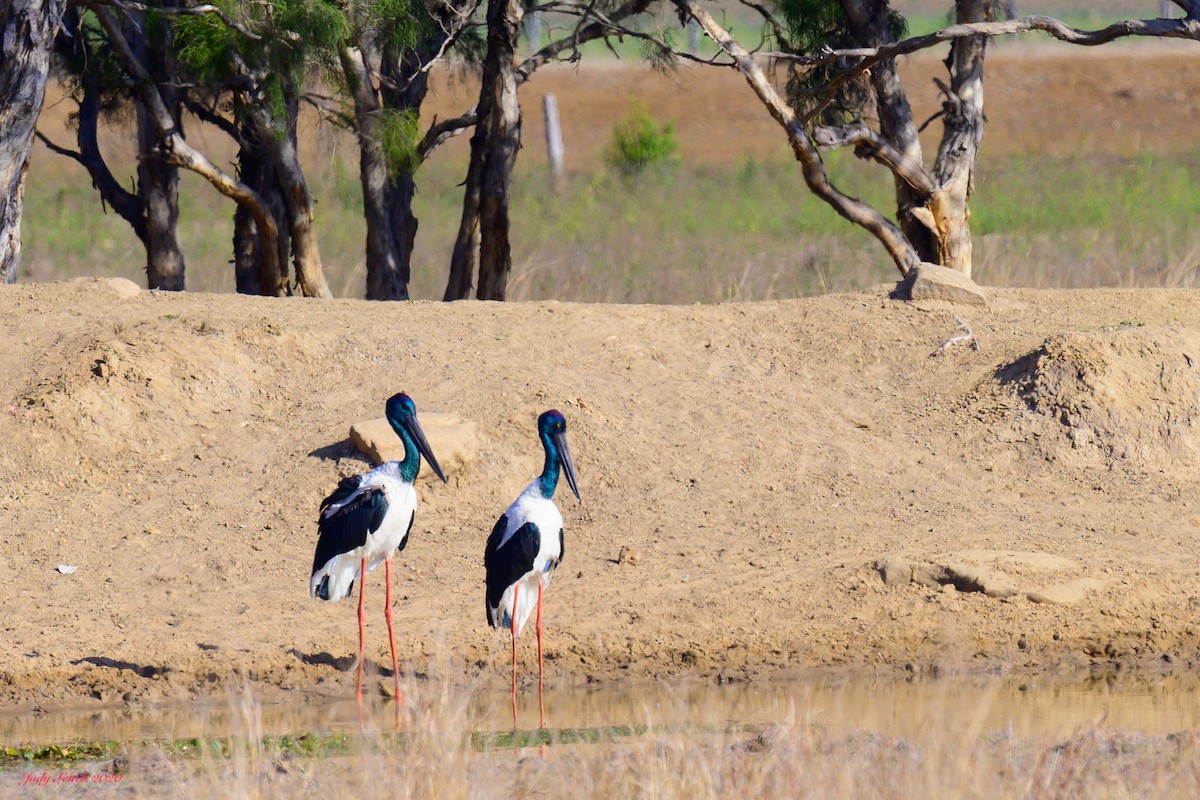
<point x="533" y="507"/>
<point x="381" y="544"/>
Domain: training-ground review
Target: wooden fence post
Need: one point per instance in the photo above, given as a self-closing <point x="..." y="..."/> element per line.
<point x="554" y="144"/>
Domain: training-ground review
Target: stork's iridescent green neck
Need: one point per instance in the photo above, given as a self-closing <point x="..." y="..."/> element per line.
<point x="548" y="481"/>
<point x="411" y="464"/>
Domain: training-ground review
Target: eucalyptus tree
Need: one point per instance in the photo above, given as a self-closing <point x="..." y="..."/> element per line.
<point x="842" y="53"/>
<point x="483" y="233"/>
<point x="256" y="71"/>
<point x="27" y="30"/>
<point x="174" y="148"/>
<point x="96" y="81"/>
<point x="386" y="62"/>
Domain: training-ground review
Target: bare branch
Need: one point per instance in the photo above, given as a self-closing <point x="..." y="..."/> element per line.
<point x="967" y="335"/>
<point x="328" y="109"/>
<point x="1159" y="28"/>
<point x="776" y="26"/>
<point x="210" y="115"/>
<point x="62" y="151"/>
<point x="446" y="129"/>
<point x="1191" y="7"/>
<point x="870" y="144"/>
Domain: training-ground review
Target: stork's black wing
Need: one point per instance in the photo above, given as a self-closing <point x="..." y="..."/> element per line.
<point x="346" y="528"/>
<point x="506" y="565"/>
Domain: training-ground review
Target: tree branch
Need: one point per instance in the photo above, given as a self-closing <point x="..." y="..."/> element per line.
<point x="806" y="153"/>
<point x="446" y="129"/>
<point x="209" y="115"/>
<point x="776" y="25"/>
<point x="870" y="144"/>
<point x="62" y="151"/>
<point x="1160" y="28"/>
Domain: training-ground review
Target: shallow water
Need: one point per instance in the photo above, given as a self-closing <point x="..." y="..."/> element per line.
<point x="1024" y="707"/>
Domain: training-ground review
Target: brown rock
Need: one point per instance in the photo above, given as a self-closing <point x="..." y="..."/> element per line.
<point x="933" y="282"/>
<point x="453" y="440"/>
<point x="894" y="571"/>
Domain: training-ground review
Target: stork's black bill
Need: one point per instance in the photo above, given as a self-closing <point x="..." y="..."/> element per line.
<point x="414" y="428"/>
<point x="564" y="457"/>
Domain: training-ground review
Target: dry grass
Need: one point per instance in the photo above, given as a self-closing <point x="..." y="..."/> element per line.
<point x="944" y="749"/>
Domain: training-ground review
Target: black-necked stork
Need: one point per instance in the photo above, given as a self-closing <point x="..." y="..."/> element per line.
<point x="365" y="521"/>
<point x="526" y="546"/>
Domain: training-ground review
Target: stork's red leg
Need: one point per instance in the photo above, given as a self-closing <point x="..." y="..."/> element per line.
<point x="512" y="629"/>
<point x="387" y="613"/>
<point x="362" y="633"/>
<point x="541" y="688"/>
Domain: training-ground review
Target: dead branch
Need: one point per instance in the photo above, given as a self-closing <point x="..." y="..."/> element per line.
<point x="1188" y="28"/>
<point x="967" y="335"/>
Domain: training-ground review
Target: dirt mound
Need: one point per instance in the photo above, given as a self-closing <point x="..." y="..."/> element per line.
<point x="752" y="461"/>
<point x="1128" y="393"/>
<point x="152" y="387"/>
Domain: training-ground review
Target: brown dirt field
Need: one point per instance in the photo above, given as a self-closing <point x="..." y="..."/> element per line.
<point x="761" y="459"/>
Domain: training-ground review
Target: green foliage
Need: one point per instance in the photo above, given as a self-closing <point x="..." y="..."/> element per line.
<point x="400" y="132"/>
<point x="639" y="142"/>
<point x="399" y="24"/>
<point x="294" y="36"/>
<point x="204" y="44"/>
<point x="471" y="46"/>
<point x="813" y="25"/>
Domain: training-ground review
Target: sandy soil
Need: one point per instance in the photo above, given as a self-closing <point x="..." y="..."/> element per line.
<point x="768" y="464"/>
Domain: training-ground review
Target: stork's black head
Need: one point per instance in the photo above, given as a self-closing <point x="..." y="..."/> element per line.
<point x="552" y="430"/>
<point x="400" y="406"/>
<point x="402" y="414"/>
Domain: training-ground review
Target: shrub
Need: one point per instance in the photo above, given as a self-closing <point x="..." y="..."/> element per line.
<point x="639" y="142"/>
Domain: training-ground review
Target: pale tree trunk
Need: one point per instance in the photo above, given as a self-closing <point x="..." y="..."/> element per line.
<point x="386" y="273"/>
<point x="962" y="134"/>
<point x="483" y="230"/>
<point x="404" y="71"/>
<point x="280" y="138"/>
<point x="310" y="274"/>
<point x="27" y="30"/>
<point x="387" y="194"/>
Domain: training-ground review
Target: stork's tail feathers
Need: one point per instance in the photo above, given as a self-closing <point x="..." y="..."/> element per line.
<point x="336" y="579"/>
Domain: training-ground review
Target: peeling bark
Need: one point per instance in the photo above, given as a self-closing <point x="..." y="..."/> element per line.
<point x="962" y="135"/>
<point x="27" y="30"/>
